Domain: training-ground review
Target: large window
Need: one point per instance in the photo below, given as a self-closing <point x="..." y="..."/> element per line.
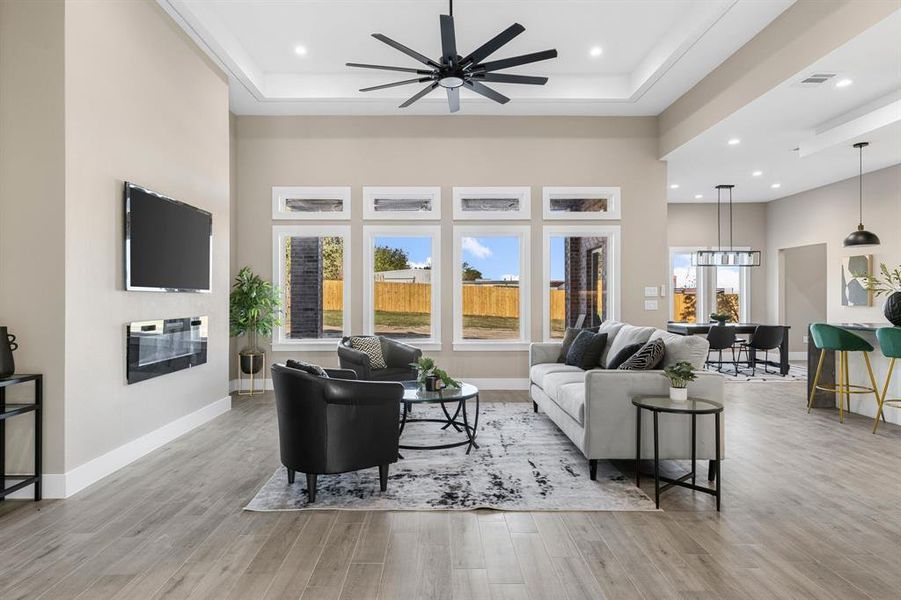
<point x="491" y="292"/>
<point x="685" y="303"/>
<point x="581" y="274"/>
<point x="310" y="265"/>
<point x="696" y="292"/>
<point x="728" y="292"/>
<point x="401" y="286"/>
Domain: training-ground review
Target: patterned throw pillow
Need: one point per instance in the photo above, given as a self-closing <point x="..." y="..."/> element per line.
<point x="306" y="368"/>
<point x="371" y="347"/>
<point x="648" y="358"/>
<point x="585" y="351"/>
<point x="569" y="336"/>
<point x="623" y="355"/>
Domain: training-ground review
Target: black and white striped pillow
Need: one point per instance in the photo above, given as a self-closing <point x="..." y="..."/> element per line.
<point x="648" y="358"/>
<point x="372" y="347"/>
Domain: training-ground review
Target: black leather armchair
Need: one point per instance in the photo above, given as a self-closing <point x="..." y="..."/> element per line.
<point x="398" y="357"/>
<point x="328" y="426"/>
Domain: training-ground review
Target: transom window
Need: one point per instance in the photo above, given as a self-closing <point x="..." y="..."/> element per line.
<point x="302" y="203"/>
<point x="490" y="203"/>
<point x="401" y="203"/>
<point x="581" y="202"/>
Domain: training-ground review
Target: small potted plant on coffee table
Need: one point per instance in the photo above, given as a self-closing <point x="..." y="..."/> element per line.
<point x="430" y="377"/>
<point x="679" y="375"/>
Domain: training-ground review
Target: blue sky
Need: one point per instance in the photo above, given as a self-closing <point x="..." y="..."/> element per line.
<point x="419" y="249"/>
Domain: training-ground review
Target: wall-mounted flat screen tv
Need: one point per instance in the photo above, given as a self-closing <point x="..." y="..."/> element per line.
<point x="168" y="244"/>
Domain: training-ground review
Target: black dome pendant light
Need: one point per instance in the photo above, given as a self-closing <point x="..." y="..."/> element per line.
<point x="861" y="237"/>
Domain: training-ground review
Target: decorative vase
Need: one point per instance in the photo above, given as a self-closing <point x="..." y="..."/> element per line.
<point x="251" y="361"/>
<point x="678" y="394"/>
<point x="431" y="383"/>
<point x="7" y="345"/>
<point x="893" y="309"/>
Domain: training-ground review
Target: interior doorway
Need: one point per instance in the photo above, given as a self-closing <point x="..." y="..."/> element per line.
<point x="802" y="281"/>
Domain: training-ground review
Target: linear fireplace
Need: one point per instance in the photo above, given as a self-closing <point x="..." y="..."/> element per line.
<point x="164" y="346"/>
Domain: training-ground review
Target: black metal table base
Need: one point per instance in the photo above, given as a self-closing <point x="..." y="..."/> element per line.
<point x="448" y="421"/>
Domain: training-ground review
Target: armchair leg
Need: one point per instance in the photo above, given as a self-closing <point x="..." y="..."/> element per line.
<point x="383" y="477"/>
<point x="311" y="487"/>
<point x="290" y="475"/>
<point x="534" y="406"/>
<point x="593" y="469"/>
<point x="711" y="470"/>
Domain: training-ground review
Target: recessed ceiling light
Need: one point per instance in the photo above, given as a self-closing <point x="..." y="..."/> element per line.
<point x="674" y="186"/>
<point x="596" y="51"/>
<point x="300" y="50"/>
<point x="757" y="173"/>
<point x="734" y="142"/>
<point x="843" y="83"/>
<point x="698" y="196"/>
<point x="776" y="186"/>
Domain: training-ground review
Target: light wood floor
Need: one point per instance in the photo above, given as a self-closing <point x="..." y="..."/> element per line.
<point x="812" y="509"/>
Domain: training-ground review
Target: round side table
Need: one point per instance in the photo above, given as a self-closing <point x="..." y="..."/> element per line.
<point x="693" y="407"/>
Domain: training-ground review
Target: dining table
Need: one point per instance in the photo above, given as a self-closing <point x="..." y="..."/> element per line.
<point x="686" y="328"/>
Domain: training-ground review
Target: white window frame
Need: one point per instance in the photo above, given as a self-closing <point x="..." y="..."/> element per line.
<point x="371" y="193"/>
<point x="280" y="342"/>
<point x="612" y="233"/>
<point x="707" y="286"/>
<point x="370" y="233"/>
<point x="613" y="210"/>
<point x="521" y="193"/>
<point x="280" y="194"/>
<point x="524" y="233"/>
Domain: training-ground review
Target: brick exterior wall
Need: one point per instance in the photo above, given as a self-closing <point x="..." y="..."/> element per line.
<point x="581" y="296"/>
<point x="306" y="287"/>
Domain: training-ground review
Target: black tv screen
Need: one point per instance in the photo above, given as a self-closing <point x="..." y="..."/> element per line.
<point x="167" y="243"/>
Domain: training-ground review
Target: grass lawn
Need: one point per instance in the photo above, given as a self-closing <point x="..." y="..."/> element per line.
<point x="490" y="328"/>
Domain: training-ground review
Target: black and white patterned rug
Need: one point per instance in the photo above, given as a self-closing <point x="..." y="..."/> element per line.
<point x="796" y="372"/>
<point x="524" y="463"/>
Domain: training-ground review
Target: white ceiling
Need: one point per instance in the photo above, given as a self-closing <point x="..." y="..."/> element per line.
<point x="823" y="121"/>
<point x="653" y="51"/>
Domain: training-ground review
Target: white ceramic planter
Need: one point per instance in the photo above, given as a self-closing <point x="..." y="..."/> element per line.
<point x="678" y="394"/>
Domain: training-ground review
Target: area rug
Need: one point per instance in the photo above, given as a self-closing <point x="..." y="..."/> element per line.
<point x="524" y="463"/>
<point x="795" y="373"/>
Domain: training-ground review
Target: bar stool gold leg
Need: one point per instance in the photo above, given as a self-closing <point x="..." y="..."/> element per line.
<point x="840" y="387"/>
<point x="816" y="380"/>
<point x="881" y="399"/>
<point x="847" y="384"/>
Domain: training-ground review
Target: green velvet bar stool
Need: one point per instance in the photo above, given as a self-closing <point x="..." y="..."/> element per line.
<point x="842" y="341"/>
<point x="890" y="342"/>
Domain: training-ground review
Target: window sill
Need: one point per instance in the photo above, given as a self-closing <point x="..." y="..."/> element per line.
<point x="491" y="346"/>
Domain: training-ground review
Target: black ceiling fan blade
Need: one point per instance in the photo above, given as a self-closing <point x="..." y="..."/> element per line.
<point x="515" y="61"/>
<point x="492" y="45"/>
<point x="448" y="40"/>
<point x="486" y="91"/>
<point x="420" y="94"/>
<point x="387" y="68"/>
<point x="506" y="78"/>
<point x="395" y="84"/>
<point x="453" y="99"/>
<point x="409" y="52"/>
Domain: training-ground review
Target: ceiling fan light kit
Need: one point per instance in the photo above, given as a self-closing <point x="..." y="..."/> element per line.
<point x="452" y="71"/>
<point x="721" y="257"/>
<point x="860" y="237"/>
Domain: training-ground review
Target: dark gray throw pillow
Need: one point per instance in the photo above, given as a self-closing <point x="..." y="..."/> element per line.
<point x="306" y="368"/>
<point x="648" y="358"/>
<point x="586" y="350"/>
<point x="623" y="355"/>
<point x="569" y="337"/>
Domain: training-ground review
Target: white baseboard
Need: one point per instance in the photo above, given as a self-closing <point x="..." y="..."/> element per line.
<point x="66" y="484"/>
<point x="510" y="383"/>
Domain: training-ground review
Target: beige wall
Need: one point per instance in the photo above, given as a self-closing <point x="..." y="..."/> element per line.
<point x="826" y="215"/>
<point x="465" y="151"/>
<point x="142" y="104"/>
<point x="32" y="215"/>
<point x="695" y="225"/>
<point x="804" y="291"/>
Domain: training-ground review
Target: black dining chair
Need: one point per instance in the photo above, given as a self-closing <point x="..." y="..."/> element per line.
<point x="764" y="339"/>
<point x="721" y="337"/>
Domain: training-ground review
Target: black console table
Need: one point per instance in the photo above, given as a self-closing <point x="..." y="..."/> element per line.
<point x="8" y="411"/>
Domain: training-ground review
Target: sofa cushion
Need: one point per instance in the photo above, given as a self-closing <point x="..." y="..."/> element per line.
<point x="371" y="346"/>
<point x="586" y="350"/>
<point x="623" y="355"/>
<point x="611" y="328"/>
<point x="306" y="367"/>
<point x="690" y="348"/>
<point x="569" y="336"/>
<point x="571" y="398"/>
<point x="649" y="357"/>
<point x="627" y="336"/>
<point x="538" y="372"/>
<point x="553" y="381"/>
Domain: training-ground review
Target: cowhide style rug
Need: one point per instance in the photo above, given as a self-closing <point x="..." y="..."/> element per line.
<point x="524" y="463"/>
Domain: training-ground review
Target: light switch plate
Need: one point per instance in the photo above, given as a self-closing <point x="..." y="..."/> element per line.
<point x="650" y="305"/>
<point x="663" y="291"/>
<point x="650" y="291"/>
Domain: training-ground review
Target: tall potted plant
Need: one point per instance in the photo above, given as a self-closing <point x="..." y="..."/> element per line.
<point x="254" y="309"/>
<point x="887" y="283"/>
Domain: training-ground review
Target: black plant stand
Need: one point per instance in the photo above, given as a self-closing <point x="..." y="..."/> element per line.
<point x="8" y="411"/>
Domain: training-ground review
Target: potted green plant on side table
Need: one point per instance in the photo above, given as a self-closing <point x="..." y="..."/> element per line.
<point x="254" y="310"/>
<point x="679" y="375"/>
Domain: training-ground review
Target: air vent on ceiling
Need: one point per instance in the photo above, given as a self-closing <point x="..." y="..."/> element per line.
<point x="817" y="78"/>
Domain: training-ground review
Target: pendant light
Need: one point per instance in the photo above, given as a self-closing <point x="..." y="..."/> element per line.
<point x="861" y="237"/>
<point x="721" y="257"/>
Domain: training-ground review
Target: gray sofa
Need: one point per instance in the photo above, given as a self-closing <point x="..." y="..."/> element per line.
<point x="594" y="408"/>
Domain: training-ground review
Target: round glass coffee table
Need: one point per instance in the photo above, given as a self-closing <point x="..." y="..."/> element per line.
<point x="448" y="396"/>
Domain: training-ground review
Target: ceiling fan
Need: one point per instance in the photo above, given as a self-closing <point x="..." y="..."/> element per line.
<point x="453" y="71"/>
